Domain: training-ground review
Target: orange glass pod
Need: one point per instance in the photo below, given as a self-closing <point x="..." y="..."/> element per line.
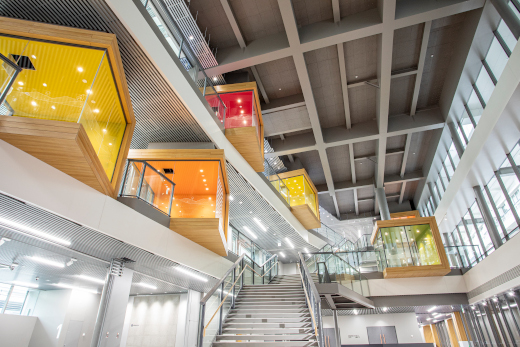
<point x="410" y="247"/>
<point x="243" y="123"/>
<point x="69" y="105"/>
<point x="302" y="197"/>
<point x="190" y="186"/>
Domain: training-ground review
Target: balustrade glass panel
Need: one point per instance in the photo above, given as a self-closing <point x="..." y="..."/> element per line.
<point x="156" y="190"/>
<point x="133" y="175"/>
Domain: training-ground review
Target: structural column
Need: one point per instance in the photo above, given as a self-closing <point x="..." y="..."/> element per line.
<point x="112" y="307"/>
<point x="383" y="204"/>
<point x="336" y="328"/>
<point x="488" y="218"/>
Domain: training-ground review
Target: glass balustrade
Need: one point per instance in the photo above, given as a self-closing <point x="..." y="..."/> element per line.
<point x="272" y="176"/>
<point x="301" y="190"/>
<point x="411" y="245"/>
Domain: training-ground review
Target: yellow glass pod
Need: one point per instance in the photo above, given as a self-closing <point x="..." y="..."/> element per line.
<point x="70" y="84"/>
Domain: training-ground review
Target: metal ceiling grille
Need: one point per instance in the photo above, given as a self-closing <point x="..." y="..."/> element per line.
<point x="86" y="244"/>
<point x="160" y="115"/>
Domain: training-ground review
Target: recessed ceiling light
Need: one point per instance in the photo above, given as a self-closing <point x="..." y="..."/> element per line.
<point x="215" y="78"/>
<point x="33" y="231"/>
<point x="47" y="262"/>
<point x="34" y="103"/>
<point x="230" y="198"/>
<point x="191" y="37"/>
<point x="240" y="202"/>
<point x="45" y="84"/>
<point x="96" y="110"/>
<point x="33" y="56"/>
<point x="431" y="56"/>
<point x="357" y="76"/>
<point x="279" y="88"/>
<point x="201" y="170"/>
<point x="20" y="83"/>
<point x="84" y="81"/>
<point x="91" y="279"/>
<point x="253" y="235"/>
<point x="146" y="285"/>
<point x="80" y="69"/>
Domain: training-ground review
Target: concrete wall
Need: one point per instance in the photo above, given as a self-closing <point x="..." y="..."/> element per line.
<point x="29" y="179"/>
<point x="51" y="309"/>
<point x="288" y="269"/>
<point x="154" y="321"/>
<point x="16" y="331"/>
<point x="82" y="307"/>
<point x="405" y="325"/>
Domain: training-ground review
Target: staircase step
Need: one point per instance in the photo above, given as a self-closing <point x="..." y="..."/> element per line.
<point x="269" y="320"/>
<point x="272" y="301"/>
<point x="252" y="325"/>
<point x="268" y="331"/>
<point x="272" y="292"/>
<point x="261" y="344"/>
<point x="279" y="314"/>
<point x="284" y="337"/>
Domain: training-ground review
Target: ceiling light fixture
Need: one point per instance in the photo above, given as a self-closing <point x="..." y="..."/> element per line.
<point x="80" y="69"/>
<point x="215" y="78"/>
<point x="259" y="223"/>
<point x="91" y="279"/>
<point x="45" y="84"/>
<point x="385" y="309"/>
<point x="191" y="274"/>
<point x="4" y="240"/>
<point x="431" y="308"/>
<point x="8" y="223"/>
<point x="279" y="244"/>
<point x="289" y="242"/>
<point x="253" y="235"/>
<point x="34" y="103"/>
<point x="282" y="254"/>
<point x="68" y="286"/>
<point x="25" y="284"/>
<point x="53" y="107"/>
<point x="20" y="83"/>
<point x="33" y="56"/>
<point x="191" y="37"/>
<point x="47" y="262"/>
<point x="146" y="285"/>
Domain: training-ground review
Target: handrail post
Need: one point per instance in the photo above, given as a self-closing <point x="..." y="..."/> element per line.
<point x="201" y="325"/>
<point x="242" y="277"/>
<point x="263" y="275"/>
<point x="233" y="298"/>
<point x="221" y="309"/>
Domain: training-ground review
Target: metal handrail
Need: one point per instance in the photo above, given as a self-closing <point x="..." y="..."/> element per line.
<point x="215" y="287"/>
<point x="308" y="303"/>
<point x="315" y="292"/>
<point x="223" y="300"/>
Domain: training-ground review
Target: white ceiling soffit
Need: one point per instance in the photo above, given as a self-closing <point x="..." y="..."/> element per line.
<point x="188" y="92"/>
<point x="41" y="233"/>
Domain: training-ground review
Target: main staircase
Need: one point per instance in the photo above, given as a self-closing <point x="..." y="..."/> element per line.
<point x="273" y="314"/>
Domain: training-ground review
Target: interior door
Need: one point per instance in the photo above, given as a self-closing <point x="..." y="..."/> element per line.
<point x="389" y="334"/>
<point x="375" y="336"/>
<point x="73" y="333"/>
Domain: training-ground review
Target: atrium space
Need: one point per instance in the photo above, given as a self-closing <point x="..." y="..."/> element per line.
<point x="241" y="173"/>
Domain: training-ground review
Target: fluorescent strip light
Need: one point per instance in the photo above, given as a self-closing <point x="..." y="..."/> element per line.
<point x="47" y="261"/>
<point x="68" y="286"/>
<point x="91" y="279"/>
<point x="25" y="284"/>
<point x="189" y="273"/>
<point x="306" y="250"/>
<point x="283" y="255"/>
<point x="146" y="285"/>
<point x="289" y="242"/>
<point x="257" y="221"/>
<point x="253" y="235"/>
<point x="432" y="308"/>
<point x="38" y="233"/>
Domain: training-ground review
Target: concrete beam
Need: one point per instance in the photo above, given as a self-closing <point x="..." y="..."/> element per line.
<point x="323" y="34"/>
<point x="233" y="22"/>
<point x="344" y="85"/>
<point x="259" y="83"/>
<point x="422" y="58"/>
<point x="406" y="152"/>
<point x="401" y="194"/>
<point x="384" y="75"/>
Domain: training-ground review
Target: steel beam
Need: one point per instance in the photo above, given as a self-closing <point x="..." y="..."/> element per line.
<point x="352" y="162"/>
<point x="344" y="84"/>
<point x="401" y="194"/>
<point x="322" y="34"/>
<point x="384" y="75"/>
<point x="233" y="22"/>
<point x="293" y="36"/>
<point x="335" y="11"/>
<point x="406" y="153"/>
<point x="420" y="67"/>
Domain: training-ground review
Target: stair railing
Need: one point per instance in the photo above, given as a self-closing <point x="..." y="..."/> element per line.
<point x="236" y="276"/>
<point x="313" y="301"/>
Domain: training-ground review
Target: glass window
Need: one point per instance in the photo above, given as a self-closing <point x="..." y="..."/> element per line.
<point x="454" y="156"/>
<point x="467" y="127"/>
<point x="439" y="184"/>
<point x="512" y="187"/>
<point x="444" y="177"/>
<point x="515" y="153"/>
<point x="505" y="213"/>
<point x="4" y="291"/>
<point x="495" y="219"/>
<point x="481" y="228"/>
<point x="496" y="58"/>
<point x="506" y="35"/>
<point x="16" y="300"/>
<point x="514" y="9"/>
<point x="475" y="106"/>
<point x="485" y="85"/>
